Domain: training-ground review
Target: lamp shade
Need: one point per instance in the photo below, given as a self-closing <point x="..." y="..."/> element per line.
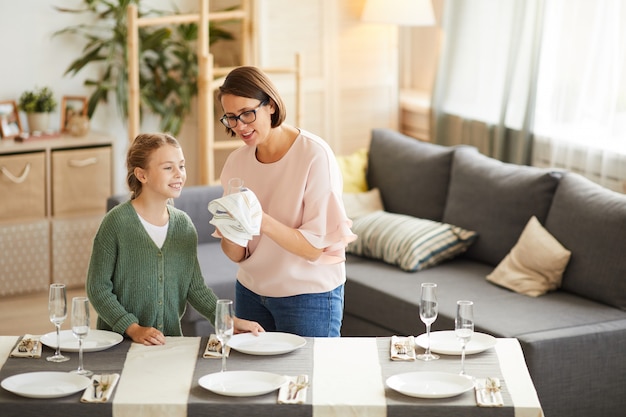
<point x="399" y="12"/>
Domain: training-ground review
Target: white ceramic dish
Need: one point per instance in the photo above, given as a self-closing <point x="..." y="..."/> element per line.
<point x="242" y="383"/>
<point x="430" y="384"/>
<point x="446" y="343"/>
<point x="269" y="343"/>
<point x="45" y="384"/>
<point x="95" y="341"/>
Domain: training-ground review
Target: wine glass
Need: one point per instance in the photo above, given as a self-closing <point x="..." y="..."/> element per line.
<point x="80" y="328"/>
<point x="235" y="185"/>
<point x="224" y="325"/>
<point x="428" y="315"/>
<point x="57" y="310"/>
<point x="464" y="326"/>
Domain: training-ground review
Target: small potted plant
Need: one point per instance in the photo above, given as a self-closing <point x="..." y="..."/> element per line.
<point x="38" y="104"/>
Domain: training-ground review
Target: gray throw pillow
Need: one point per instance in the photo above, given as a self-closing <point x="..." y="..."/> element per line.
<point x="590" y="220"/>
<point x="412" y="176"/>
<point x="496" y="199"/>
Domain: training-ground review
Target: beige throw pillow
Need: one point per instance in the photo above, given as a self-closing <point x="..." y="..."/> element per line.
<point x="535" y="265"/>
<point x="360" y="204"/>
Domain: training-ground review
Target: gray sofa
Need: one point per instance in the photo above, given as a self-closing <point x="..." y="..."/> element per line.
<point x="573" y="339"/>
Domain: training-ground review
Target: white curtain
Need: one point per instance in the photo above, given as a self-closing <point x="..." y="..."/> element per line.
<point x="580" y="119"/>
<point x="486" y="80"/>
<point x="541" y="81"/>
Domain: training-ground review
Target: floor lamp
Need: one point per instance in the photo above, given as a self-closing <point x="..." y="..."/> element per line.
<point x="405" y="14"/>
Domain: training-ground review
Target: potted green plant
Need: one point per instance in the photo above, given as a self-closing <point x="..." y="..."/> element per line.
<point x="38" y="104"/>
<point x="168" y="63"/>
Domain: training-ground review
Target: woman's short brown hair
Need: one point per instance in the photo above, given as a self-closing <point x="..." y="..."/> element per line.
<point x="251" y="82"/>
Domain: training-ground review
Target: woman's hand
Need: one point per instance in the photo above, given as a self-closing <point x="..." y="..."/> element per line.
<point x="145" y="335"/>
<point x="247" y="326"/>
<point x="234" y="252"/>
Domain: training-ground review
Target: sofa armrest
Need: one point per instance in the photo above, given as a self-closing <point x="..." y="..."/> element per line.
<point x="574" y="366"/>
<point x="194" y="201"/>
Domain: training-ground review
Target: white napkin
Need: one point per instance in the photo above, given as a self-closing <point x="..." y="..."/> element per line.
<point x="101" y="391"/>
<point x="237" y="216"/>
<point x="214" y="348"/>
<point x="402" y="348"/>
<point x="28" y="347"/>
<point x="294" y="390"/>
<point x="488" y="392"/>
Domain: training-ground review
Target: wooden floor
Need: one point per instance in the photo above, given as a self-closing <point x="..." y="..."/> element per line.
<point x="29" y="313"/>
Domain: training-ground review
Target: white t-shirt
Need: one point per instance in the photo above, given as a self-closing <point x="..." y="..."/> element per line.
<point x="157" y="233"/>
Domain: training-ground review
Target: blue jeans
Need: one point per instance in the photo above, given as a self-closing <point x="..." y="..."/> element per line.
<point x="312" y="315"/>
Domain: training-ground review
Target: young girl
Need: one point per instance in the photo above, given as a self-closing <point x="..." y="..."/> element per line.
<point x="144" y="265"/>
<point x="291" y="277"/>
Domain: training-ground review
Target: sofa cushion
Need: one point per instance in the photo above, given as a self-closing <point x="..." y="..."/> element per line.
<point x="412" y="244"/>
<point x="535" y="265"/>
<point x="389" y="298"/>
<point x="496" y="199"/>
<point x="412" y="176"/>
<point x="590" y="220"/>
<point x="194" y="200"/>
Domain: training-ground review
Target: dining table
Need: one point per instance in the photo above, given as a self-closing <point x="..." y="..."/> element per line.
<point x="347" y="377"/>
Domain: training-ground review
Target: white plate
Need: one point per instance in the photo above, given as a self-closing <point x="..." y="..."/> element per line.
<point x="269" y="343"/>
<point x="95" y="341"/>
<point x="45" y="384"/>
<point x="446" y="343"/>
<point x="242" y="383"/>
<point x="430" y="384"/>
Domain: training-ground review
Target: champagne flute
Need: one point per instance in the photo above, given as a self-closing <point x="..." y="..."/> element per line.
<point x="464" y="327"/>
<point x="224" y="325"/>
<point x="80" y="328"/>
<point x="57" y="310"/>
<point x="235" y="185"/>
<point x="428" y="315"/>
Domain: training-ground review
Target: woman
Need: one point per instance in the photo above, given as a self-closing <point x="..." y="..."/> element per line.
<point x="144" y="266"/>
<point x="291" y="276"/>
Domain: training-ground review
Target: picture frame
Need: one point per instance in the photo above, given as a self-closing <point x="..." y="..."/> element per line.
<point x="70" y="106"/>
<point x="10" y="124"/>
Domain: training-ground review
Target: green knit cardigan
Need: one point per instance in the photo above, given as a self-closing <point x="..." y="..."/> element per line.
<point x="130" y="280"/>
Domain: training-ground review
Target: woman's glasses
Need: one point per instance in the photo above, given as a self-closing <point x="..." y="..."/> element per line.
<point x="245" y="117"/>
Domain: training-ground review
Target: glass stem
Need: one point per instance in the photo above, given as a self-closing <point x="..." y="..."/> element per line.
<point x="223" y="359"/>
<point x="58" y="351"/>
<point x="80" y="354"/>
<point x="428" y="339"/>
<point x="463" y="359"/>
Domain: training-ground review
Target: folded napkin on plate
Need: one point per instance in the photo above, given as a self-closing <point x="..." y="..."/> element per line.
<point x="402" y="348"/>
<point x="100" y="389"/>
<point x="214" y="348"/>
<point x="488" y="392"/>
<point x="237" y="216"/>
<point x="294" y="390"/>
<point x="28" y="347"/>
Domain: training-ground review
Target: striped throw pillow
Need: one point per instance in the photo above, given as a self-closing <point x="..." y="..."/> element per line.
<point x="411" y="243"/>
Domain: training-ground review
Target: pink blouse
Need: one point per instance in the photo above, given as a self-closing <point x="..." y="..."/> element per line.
<point x="303" y="191"/>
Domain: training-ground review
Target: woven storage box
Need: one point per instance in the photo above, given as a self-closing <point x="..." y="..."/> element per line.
<point x="23" y="186"/>
<point x="81" y="180"/>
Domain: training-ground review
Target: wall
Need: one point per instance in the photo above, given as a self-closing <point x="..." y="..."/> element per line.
<point x="350" y="81"/>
